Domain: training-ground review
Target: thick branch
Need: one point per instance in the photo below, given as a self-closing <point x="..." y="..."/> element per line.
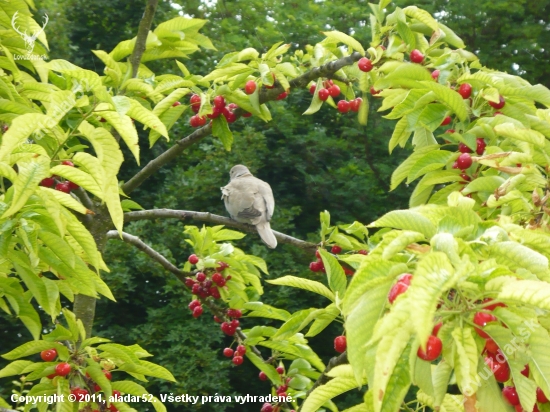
<point x="143" y="32"/>
<point x="149" y="251"/>
<point x="324" y="378"/>
<point x="326" y="70"/>
<point x="211" y="218"/>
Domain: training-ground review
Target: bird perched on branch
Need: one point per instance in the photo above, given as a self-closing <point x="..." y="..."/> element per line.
<point x="250" y="200"/>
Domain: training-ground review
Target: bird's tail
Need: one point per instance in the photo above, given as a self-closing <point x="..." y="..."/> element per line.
<point x="265" y="232"/>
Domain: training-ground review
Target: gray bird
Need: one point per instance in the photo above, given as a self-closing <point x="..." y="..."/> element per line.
<point x="250" y="200"/>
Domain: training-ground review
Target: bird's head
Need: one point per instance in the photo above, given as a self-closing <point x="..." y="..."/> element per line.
<point x="238" y="171"/>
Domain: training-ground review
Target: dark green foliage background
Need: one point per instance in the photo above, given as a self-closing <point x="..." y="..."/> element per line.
<point x="313" y="163"/>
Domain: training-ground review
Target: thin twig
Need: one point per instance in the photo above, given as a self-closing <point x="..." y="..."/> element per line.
<point x="211" y="218"/>
<point x="141" y="38"/>
<point x="148" y="250"/>
<point x="154" y="165"/>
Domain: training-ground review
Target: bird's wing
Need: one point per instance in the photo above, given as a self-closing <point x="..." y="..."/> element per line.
<point x="240" y="197"/>
<point x="267" y="195"/>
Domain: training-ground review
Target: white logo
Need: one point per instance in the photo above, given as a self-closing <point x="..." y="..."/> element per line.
<point x="29" y="39"/>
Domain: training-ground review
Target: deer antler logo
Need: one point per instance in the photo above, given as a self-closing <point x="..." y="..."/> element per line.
<point x="29" y="39"/>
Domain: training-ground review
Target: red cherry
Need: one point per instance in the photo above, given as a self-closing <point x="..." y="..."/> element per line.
<point x="228" y="352"/>
<point x="498" y="105"/>
<point x="496" y="113"/>
<point x="343" y="105"/>
<point x="416" y="56"/>
<point x="433" y="349"/>
<point x="334" y="90"/>
<point x="53" y="375"/>
<point x="465" y="177"/>
<point x="364" y="64"/>
<point x="491" y="346"/>
<point x="193" y="259"/>
<point x="62" y="369"/>
<point x="63" y="187"/>
<point x="373" y="91"/>
<point x="250" y="87"/>
<point x="312" y="88"/>
<point x="201" y="277"/>
<point x="462" y="148"/>
<point x="316" y="266"/>
<point x="194" y="121"/>
<point x="229" y="115"/>
<point x="107" y="374"/>
<point x="262" y="376"/>
<point x="502" y="373"/>
<point x="323" y="94"/>
<point x="202" y="120"/>
<point x="238" y="360"/>
<point x="280" y="370"/>
<point x="47" y="182"/>
<point x="450" y="131"/>
<point x="511" y="395"/>
<point x="197" y="311"/>
<point x="232" y="106"/>
<point x="189" y="282"/>
<point x="241" y="350"/>
<point x="281" y="389"/>
<point x="465" y="90"/>
<point x="493" y="306"/>
<point x="436" y="328"/>
<point x="541" y="397"/>
<point x="217" y="320"/>
<point x="195" y="100"/>
<point x="48" y="355"/>
<point x="446" y="121"/>
<point x="340" y="344"/>
<point x="267" y="407"/>
<point x="246" y="114"/>
<point x="480" y="148"/>
<point x="435" y="74"/>
<point x="73" y="186"/>
<point x="398" y="289"/>
<point x="363" y="252"/>
<point x="405" y="278"/>
<point x="193" y="304"/>
<point x="355" y="104"/>
<point x="336" y="249"/>
<point x="176" y="104"/>
<point x="219" y="102"/>
<point x="481" y="319"/>
<point x="215" y="113"/>
<point x="102" y="120"/>
<point x="464" y="161"/>
<point x="67" y="163"/>
<point x="282" y="96"/>
<point x="235" y="323"/>
<point x="525" y="371"/>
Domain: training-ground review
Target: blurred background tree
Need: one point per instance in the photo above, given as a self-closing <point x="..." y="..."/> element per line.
<point x="325" y="161"/>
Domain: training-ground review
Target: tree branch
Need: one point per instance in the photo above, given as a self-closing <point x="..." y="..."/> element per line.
<point x="211" y="218"/>
<point x="143" y="32"/>
<point x="324" y="378"/>
<point x="149" y="251"/>
<point x="266" y="95"/>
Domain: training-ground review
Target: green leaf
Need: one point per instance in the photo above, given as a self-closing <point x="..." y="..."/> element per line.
<point x="465" y="359"/>
<point x="400" y="135"/>
<point x="123" y="125"/>
<point x="29" y="176"/>
<point x="260" y="309"/>
<point x="96" y="373"/>
<point x="510" y="130"/>
<point x="293" y="325"/>
<point x="404" y="168"/>
<point x="407" y="220"/>
<point x="323" y="319"/>
<point x="20" y="129"/>
<point x="389" y="356"/>
<point x="347" y="40"/>
<point x="406" y="34"/>
<point x="221" y="130"/>
<point x="323" y="393"/>
<point x="36" y="346"/>
<point x="306" y="284"/>
<point x="531" y="292"/>
<point x="142" y="115"/>
<point x="516" y="256"/>
<point x="228" y="72"/>
<point x="316" y="103"/>
<point x="449" y="97"/>
<point x="484" y="184"/>
<point x="335" y="273"/>
<point x="15" y="368"/>
<point x="421" y="15"/>
<point x="268" y="369"/>
<point x="451" y="37"/>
